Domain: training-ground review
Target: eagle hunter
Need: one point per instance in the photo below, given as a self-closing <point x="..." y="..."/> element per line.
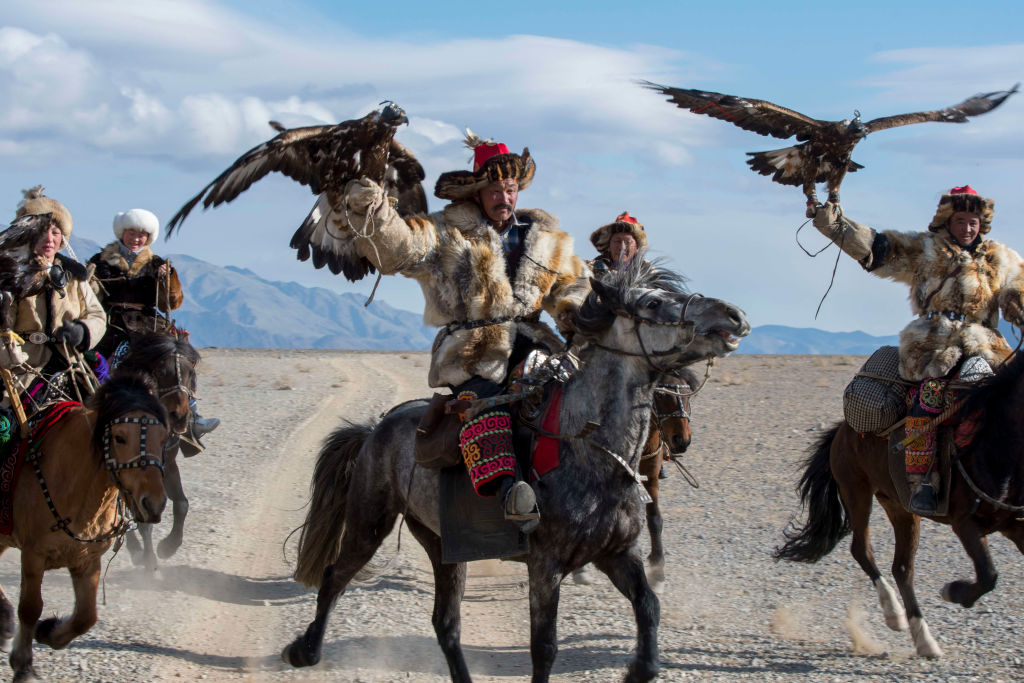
<point x="824" y="155"/>
<point x="326" y="158"/>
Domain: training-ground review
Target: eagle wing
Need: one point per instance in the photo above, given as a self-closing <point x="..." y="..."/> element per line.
<point x="958" y="113"/>
<point x="759" y="116"/>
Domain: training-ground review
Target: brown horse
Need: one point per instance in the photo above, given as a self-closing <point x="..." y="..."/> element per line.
<point x="845" y="470"/>
<point x="90" y="465"/>
<point x="170" y="360"/>
<point x="668" y="435"/>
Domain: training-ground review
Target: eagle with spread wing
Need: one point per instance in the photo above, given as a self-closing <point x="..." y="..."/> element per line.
<point x="21" y="274"/>
<point x="326" y="158"/>
<point x="824" y="155"/>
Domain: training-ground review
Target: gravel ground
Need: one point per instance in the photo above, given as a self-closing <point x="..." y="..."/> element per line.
<point x="224" y="606"/>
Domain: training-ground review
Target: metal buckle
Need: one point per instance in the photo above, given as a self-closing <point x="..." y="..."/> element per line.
<point x="38" y="337"/>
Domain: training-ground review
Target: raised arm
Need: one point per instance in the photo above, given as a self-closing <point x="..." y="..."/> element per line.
<point x="888" y="254"/>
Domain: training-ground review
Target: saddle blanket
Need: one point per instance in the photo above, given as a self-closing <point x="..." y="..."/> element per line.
<point x="13" y="457"/>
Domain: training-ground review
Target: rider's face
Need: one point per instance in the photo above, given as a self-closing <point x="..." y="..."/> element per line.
<point x="964" y="226"/>
<point x="498" y="200"/>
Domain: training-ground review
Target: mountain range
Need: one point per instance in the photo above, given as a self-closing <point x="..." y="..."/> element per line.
<point x="234" y="307"/>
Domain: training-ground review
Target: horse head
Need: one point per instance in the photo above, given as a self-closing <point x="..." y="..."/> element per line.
<point x="171" y="362"/>
<point x="130" y="431"/>
<point x="671" y="413"/>
<point x="644" y="311"/>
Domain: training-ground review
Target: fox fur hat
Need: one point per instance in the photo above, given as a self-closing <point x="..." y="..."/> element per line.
<point x="602" y="237"/>
<point x="964" y="198"/>
<point x="137" y="219"/>
<point x="492" y="161"/>
<point x="36" y="202"/>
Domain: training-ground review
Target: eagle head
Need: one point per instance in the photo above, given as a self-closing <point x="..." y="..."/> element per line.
<point x="392" y="114"/>
<point x="856" y="126"/>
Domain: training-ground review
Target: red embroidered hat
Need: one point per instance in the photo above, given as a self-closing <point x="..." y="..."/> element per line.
<point x="602" y="237"/>
<point x="492" y="161"/>
<point x="963" y="198"/>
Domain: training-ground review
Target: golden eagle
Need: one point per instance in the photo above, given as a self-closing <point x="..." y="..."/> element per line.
<point x="827" y="146"/>
<point x="21" y="274"/>
<point x="326" y="158"/>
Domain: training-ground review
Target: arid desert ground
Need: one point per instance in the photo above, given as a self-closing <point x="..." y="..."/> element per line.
<point x="224" y="606"/>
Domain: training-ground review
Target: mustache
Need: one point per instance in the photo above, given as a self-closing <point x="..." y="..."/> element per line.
<point x="502" y="206"/>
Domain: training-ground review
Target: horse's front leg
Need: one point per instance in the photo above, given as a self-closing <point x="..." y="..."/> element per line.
<point x="656" y="560"/>
<point x="626" y="571"/>
<point x="57" y="632"/>
<point x="146" y="557"/>
<point x="966" y="593"/>
<point x="176" y="492"/>
<point x="545" y="584"/>
<point x="30" y="606"/>
<point x="6" y="616"/>
<point x="907" y="529"/>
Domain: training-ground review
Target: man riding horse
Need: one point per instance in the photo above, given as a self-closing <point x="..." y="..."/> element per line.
<point x="959" y="283"/>
<point x="487" y="271"/>
<point x="617" y="243"/>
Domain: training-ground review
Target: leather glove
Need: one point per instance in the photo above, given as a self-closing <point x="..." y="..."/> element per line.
<point x="1013" y="311"/>
<point x="826" y="217"/>
<point x="361" y="194"/>
<point x="72" y="333"/>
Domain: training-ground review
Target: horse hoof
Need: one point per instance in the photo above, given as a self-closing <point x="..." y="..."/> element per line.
<point x="167" y="547"/>
<point x="641" y="672"/>
<point x="954" y="592"/>
<point x="44" y="631"/>
<point x="656" y="576"/>
<point x="583" y="577"/>
<point x="26" y="675"/>
<point x="296" y="655"/>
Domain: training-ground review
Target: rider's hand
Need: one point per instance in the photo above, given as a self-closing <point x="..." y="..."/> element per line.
<point x="1013" y="311"/>
<point x="162" y="270"/>
<point x="361" y="194"/>
<point x="826" y="217"/>
<point x="72" y="333"/>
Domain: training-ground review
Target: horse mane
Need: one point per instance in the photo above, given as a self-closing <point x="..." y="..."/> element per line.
<point x="149" y="349"/>
<point x="123" y="393"/>
<point x="596" y="315"/>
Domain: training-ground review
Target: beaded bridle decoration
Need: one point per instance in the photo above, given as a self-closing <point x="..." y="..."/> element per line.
<point x="122" y="517"/>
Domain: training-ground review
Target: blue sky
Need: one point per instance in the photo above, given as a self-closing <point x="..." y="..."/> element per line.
<point x="125" y="104"/>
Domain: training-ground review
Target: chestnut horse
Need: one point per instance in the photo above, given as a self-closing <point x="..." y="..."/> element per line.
<point x="94" y="464"/>
<point x="986" y="495"/>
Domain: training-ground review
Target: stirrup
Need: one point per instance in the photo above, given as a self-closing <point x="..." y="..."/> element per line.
<point x="923" y="501"/>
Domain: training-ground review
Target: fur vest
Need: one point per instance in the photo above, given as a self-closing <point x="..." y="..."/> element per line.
<point x="136" y="284"/>
<point x="47" y="311"/>
<point x="458" y="260"/>
<point x="972" y="285"/>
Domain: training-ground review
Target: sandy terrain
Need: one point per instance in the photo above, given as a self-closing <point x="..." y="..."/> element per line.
<point x="223" y="607"/>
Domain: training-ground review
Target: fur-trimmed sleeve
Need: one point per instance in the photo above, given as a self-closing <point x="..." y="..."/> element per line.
<point x="392" y="244"/>
<point x="896" y="255"/>
<point x="1011" y="290"/>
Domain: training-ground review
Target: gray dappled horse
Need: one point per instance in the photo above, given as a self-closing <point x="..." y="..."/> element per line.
<point x="635" y="327"/>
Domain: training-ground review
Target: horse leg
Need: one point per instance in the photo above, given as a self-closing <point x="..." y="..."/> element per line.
<point x="858" y="508"/>
<point x="907" y="529"/>
<point x="366" y="527"/>
<point x="966" y="593"/>
<point x="656" y="559"/>
<point x="545" y="584"/>
<point x="626" y="571"/>
<point x="30" y="606"/>
<point x="57" y="632"/>
<point x="449" y="587"/>
<point x="147" y="558"/>
<point x="6" y="615"/>
<point x="176" y="492"/>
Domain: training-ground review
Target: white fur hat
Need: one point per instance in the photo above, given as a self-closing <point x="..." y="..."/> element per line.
<point x="137" y="219"/>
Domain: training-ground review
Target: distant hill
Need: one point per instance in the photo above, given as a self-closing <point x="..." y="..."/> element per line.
<point x="235" y="307"/>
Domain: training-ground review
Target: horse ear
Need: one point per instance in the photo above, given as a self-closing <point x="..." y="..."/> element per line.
<point x="607" y="294"/>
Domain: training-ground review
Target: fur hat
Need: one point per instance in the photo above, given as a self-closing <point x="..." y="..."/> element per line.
<point x="602" y="237"/>
<point x="964" y="198"/>
<point x="137" y="219"/>
<point x="36" y="202"/>
<point x="491" y="162"/>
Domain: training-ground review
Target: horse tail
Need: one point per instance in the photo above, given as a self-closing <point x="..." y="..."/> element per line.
<point x="826" y="517"/>
<point x="320" y="534"/>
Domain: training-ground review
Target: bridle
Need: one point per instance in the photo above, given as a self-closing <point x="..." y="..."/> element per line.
<point x="122" y="519"/>
<point x="179" y="385"/>
<point x="649" y="356"/>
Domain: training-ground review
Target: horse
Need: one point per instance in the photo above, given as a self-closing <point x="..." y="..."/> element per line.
<point x="96" y="464"/>
<point x="845" y="470"/>
<point x="170" y="360"/>
<point x="635" y="327"/>
<point x="669" y="435"/>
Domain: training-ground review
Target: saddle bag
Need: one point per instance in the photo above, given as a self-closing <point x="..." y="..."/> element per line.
<point x="876" y="397"/>
<point x="437" y="436"/>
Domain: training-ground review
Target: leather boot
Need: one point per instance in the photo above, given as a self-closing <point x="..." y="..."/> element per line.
<point x="201" y="425"/>
<point x="520" y="504"/>
<point x="922" y="499"/>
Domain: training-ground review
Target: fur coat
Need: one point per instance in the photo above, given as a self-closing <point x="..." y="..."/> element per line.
<point x="138" y="283"/>
<point x="458" y="260"/>
<point x="944" y="277"/>
<point x="80" y="304"/>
